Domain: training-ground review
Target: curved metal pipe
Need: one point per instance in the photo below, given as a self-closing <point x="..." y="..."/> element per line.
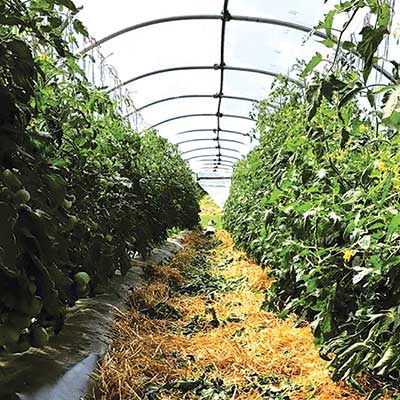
<point x="160" y="71"/>
<point x="212" y="130"/>
<point x="208" y="187"/>
<point x="201" y="160"/>
<point x="223" y="156"/>
<point x="196" y="68"/>
<point x="193" y="96"/>
<point x="217" y="169"/>
<point x="148" y="23"/>
<point x="224" y="170"/>
<point x="199" y="115"/>
<point x="278" y="22"/>
<point x="269" y="21"/>
<point x="224" y="163"/>
<point x="209" y="148"/>
<point x="224" y="166"/>
<point x="220" y="175"/>
<point x="210" y="140"/>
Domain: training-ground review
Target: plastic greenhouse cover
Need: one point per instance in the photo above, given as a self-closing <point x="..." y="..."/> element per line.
<point x="197" y="43"/>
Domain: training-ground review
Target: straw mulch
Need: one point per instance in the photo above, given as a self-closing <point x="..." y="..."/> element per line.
<point x="150" y="352"/>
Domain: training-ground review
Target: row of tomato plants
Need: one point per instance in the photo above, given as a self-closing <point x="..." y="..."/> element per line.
<point x="318" y="202"/>
<point x="80" y="191"/>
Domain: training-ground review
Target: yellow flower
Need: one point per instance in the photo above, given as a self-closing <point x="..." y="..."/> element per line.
<point x="382" y="166"/>
<point x="348" y="254"/>
<point x="362" y="128"/>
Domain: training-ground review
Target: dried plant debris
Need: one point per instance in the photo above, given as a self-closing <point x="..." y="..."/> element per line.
<point x="198" y="331"/>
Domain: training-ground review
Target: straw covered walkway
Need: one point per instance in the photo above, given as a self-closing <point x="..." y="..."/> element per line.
<point x="197" y="331"/>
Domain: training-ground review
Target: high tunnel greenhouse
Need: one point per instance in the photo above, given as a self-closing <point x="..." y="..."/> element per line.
<point x="209" y="66"/>
<point x="199" y="199"/>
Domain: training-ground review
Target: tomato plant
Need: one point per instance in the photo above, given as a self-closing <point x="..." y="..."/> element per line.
<point x="318" y="202"/>
<point x="80" y="191"/>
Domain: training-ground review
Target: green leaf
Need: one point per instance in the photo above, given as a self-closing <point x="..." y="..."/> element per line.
<point x="69" y="4"/>
<point x="394" y="224"/>
<point x="311" y="65"/>
<point x="371" y="39"/>
<point x="80" y="28"/>
<point x="314" y="98"/>
<point x="330" y="86"/>
<point x="347" y="45"/>
<point x="328" y="43"/>
<point x="327" y="24"/>
<point x="349" y="96"/>
<point x="275" y="195"/>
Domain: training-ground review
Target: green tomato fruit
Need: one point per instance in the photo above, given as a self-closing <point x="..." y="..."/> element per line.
<point x="72" y="198"/>
<point x="39" y="336"/>
<point x="8" y="335"/>
<point x="109" y="238"/>
<point x="67" y="204"/>
<point x="21" y="346"/>
<point x="11" y="180"/>
<point x="81" y="279"/>
<point x="22" y="196"/>
<point x="57" y="189"/>
<point x="72" y="221"/>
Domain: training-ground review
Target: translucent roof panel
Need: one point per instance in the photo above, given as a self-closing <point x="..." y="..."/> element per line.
<point x="163" y="46"/>
<point x="301" y="12"/>
<point x="171" y="84"/>
<point x="267" y="47"/>
<point x="177" y="108"/>
<point x="172" y="69"/>
<point x="103" y="17"/>
<point x="172" y="128"/>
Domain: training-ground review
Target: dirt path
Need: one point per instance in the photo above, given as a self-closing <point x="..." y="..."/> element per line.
<point x="196" y="331"/>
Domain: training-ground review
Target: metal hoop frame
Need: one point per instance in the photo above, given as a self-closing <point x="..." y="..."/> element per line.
<point x="221" y="66"/>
